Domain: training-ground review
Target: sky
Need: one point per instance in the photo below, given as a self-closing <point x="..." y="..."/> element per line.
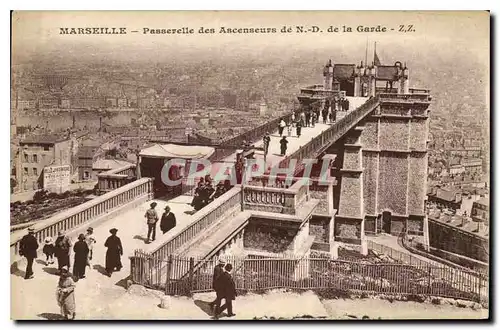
<point x="35" y="32"/>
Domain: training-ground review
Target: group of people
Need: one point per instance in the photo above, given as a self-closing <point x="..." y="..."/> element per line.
<point x="168" y="221"/>
<point x="61" y="250"/>
<point x="205" y="192"/>
<point x="267" y="141"/>
<point x="224" y="287"/>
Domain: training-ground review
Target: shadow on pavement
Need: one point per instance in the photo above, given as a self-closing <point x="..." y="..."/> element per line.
<point x="139" y="237"/>
<point x="123" y="282"/>
<point x="101" y="270"/>
<point x="51" y="316"/>
<point x="51" y="270"/>
<point x="204" y="306"/>
<point x="14" y="270"/>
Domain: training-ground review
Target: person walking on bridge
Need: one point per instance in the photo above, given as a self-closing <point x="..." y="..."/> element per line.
<point x="27" y="248"/>
<point x="167" y="220"/>
<point x="81" y="250"/>
<point x="66" y="294"/>
<point x="218" y="270"/>
<point x="283" y="143"/>
<point x="281" y="127"/>
<point x="298" y="127"/>
<point x="114" y="252"/>
<point x="63" y="249"/>
<point x="267" y="140"/>
<point x="90" y="239"/>
<point x="151" y="219"/>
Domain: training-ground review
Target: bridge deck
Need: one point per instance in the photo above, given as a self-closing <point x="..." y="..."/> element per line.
<point x="294" y="142"/>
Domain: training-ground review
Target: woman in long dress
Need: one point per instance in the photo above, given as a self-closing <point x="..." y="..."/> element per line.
<point x="66" y="294"/>
<point x="81" y="250"/>
<point x="114" y="252"/>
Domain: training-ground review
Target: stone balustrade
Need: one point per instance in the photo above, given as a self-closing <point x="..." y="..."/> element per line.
<point x="410" y="98"/>
<point x="116" y="178"/>
<point x="81" y="214"/>
<point x="205" y="217"/>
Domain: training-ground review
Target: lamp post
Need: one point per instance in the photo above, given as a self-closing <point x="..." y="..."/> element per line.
<point x="243" y="178"/>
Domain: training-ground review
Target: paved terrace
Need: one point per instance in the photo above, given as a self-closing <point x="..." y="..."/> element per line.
<point x="36" y="296"/>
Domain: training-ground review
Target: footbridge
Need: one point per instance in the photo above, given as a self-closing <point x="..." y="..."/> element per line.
<point x="383" y="138"/>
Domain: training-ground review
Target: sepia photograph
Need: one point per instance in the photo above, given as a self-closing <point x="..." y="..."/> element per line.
<point x="250" y="165"/>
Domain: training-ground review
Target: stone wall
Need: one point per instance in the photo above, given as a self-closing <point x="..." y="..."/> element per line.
<point x="319" y="228"/>
<point x="393" y="134"/>
<point x="393" y="183"/>
<point x="457" y="241"/>
<point x="268" y="239"/>
<point x="417" y="184"/>
<point x="370" y="177"/>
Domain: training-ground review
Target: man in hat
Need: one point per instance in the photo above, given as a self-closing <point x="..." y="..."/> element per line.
<point x="151" y="219"/>
<point x="27" y="248"/>
<point x="283" y="145"/>
<point x="218" y="270"/>
<point x="228" y="291"/>
<point x="114" y="252"/>
<point x="167" y="220"/>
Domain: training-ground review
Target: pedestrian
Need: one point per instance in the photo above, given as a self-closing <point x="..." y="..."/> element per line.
<point x="114" y="252"/>
<point x="333" y="116"/>
<point x="313" y="120"/>
<point x="197" y="202"/>
<point x="324" y="114"/>
<point x="293" y="118"/>
<point x="346" y="105"/>
<point x="62" y="250"/>
<point x="28" y="247"/>
<point x="218" y="270"/>
<point x="290" y="128"/>
<point x="65" y="294"/>
<point x="308" y="118"/>
<point x="48" y="250"/>
<point x="267" y="140"/>
<point x="168" y="220"/>
<point x="208" y="192"/>
<point x="283" y="143"/>
<point x="302" y="118"/>
<point x="81" y="250"/>
<point x="281" y="127"/>
<point x="298" y="128"/>
<point x="151" y="219"/>
<point x="228" y="291"/>
<point x="90" y="239"/>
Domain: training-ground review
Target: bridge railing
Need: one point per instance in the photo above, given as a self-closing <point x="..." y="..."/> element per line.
<point x="404" y="97"/>
<point x="258" y="132"/>
<point x="77" y="216"/>
<point x="147" y="266"/>
<point x="272" y="194"/>
<point x="116" y="178"/>
<point x="205" y="217"/>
